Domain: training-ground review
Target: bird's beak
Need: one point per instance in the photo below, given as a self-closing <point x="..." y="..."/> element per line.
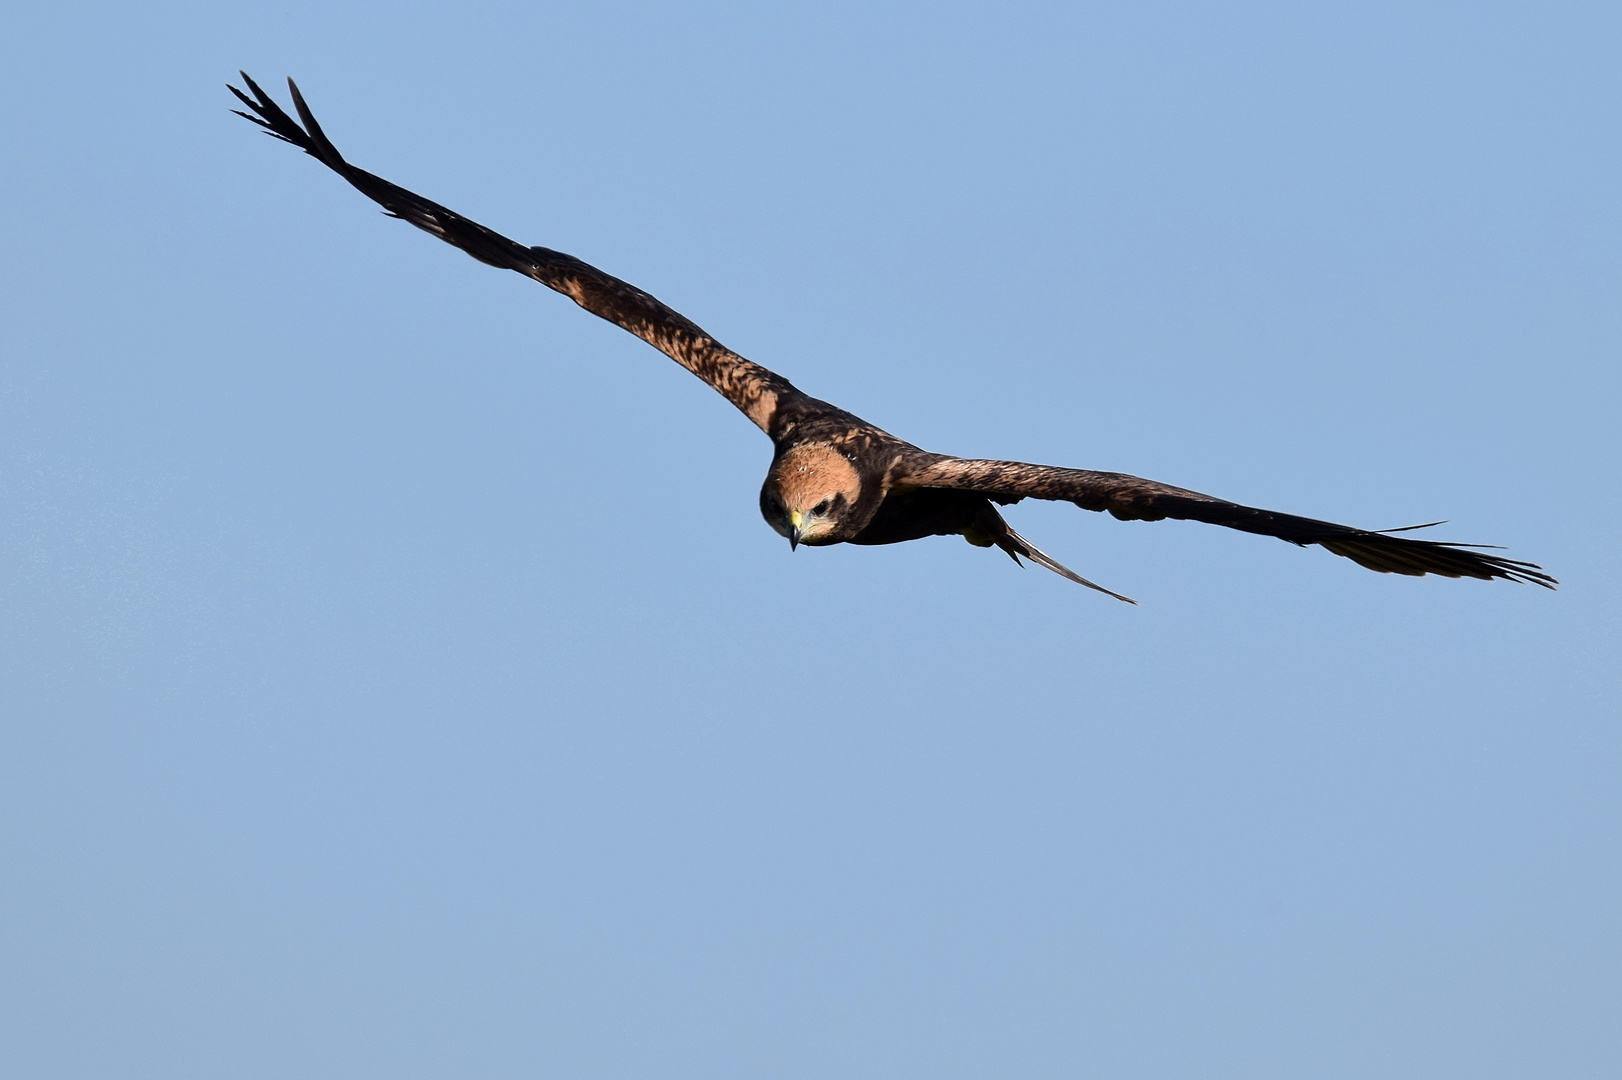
<point x="794" y="520"/>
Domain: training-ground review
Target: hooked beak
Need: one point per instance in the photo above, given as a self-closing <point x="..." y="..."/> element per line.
<point x="794" y="530"/>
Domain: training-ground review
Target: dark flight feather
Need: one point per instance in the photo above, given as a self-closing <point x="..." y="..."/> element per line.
<point x="900" y="492"/>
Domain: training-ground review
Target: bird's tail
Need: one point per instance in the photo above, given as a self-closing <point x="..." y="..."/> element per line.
<point x="1016" y="545"/>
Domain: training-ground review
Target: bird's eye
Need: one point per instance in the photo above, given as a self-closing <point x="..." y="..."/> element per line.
<point x="822" y="507"/>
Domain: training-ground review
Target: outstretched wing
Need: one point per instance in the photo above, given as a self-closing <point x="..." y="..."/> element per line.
<point x="1132" y="498"/>
<point x="759" y="393"/>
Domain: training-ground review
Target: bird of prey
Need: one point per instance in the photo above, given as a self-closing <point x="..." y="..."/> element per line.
<point x="835" y="478"/>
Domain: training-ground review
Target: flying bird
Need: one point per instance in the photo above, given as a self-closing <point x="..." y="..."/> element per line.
<point x="835" y="478"/>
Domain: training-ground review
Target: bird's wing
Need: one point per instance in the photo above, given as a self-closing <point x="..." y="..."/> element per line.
<point x="759" y="393"/>
<point x="1132" y="498"/>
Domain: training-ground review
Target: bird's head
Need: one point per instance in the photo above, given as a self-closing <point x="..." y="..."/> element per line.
<point x="810" y="495"/>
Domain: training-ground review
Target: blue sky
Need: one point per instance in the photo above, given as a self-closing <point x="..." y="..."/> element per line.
<point x="397" y="679"/>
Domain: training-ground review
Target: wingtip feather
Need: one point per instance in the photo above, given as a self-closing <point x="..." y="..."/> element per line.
<point x="324" y="149"/>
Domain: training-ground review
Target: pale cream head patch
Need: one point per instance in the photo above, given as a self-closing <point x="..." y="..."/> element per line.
<point x="806" y="481"/>
<point x="812" y="472"/>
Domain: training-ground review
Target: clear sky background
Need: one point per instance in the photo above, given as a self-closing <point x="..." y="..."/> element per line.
<point x="398" y="680"/>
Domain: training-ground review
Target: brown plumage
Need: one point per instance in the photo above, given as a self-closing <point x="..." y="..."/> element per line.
<point x="836" y="478"/>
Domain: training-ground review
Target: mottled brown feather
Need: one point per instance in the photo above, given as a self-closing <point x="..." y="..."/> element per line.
<point x="759" y="393"/>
